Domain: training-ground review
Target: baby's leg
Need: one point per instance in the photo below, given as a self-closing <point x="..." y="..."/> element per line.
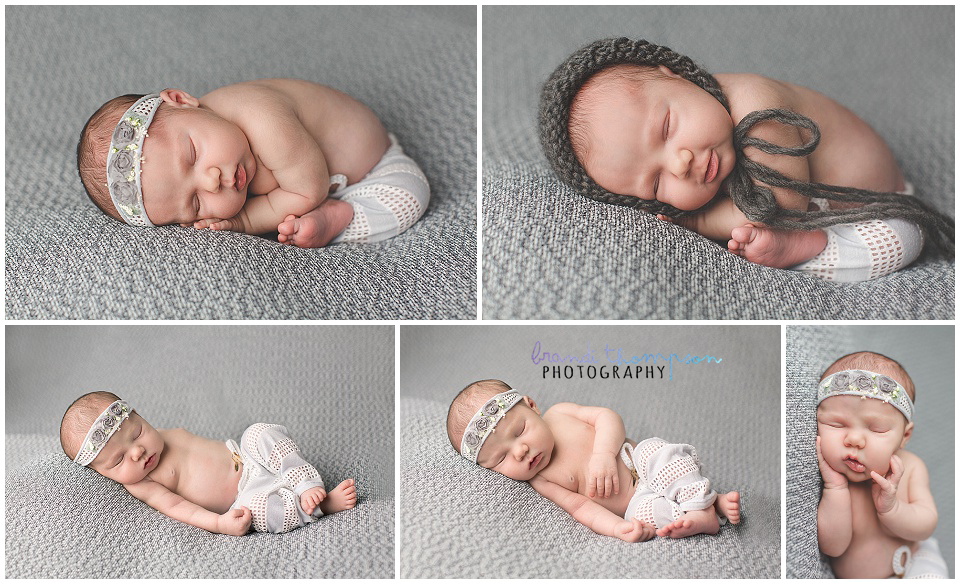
<point x="318" y="227"/>
<point x="776" y="248"/>
<point x="271" y="446"/>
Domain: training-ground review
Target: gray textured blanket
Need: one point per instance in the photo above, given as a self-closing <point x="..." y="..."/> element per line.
<point x="926" y="352"/>
<point x="66" y="260"/>
<point x="64" y="521"/>
<point x="550" y="253"/>
<point x="457" y="518"/>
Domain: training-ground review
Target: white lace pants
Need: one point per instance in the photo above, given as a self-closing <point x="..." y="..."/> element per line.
<point x="857" y="252"/>
<point x="391" y="198"/>
<point x="274" y="476"/>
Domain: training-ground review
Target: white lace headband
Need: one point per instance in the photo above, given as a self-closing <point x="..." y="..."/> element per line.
<point x="484" y="421"/>
<point x="124" y="160"/>
<point x="101" y="430"/>
<point x="866" y="384"/>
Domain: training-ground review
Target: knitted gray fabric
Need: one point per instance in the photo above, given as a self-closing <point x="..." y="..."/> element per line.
<point x="926" y="352"/>
<point x="454" y="512"/>
<point x="744" y="185"/>
<point x="64" y="521"/>
<point x="550" y="253"/>
<point x="67" y="260"/>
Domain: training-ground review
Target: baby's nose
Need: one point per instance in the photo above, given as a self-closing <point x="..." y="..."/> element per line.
<point x="680" y="165"/>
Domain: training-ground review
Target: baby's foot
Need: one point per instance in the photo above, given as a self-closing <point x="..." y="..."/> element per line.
<point x="692" y="523"/>
<point x="341" y="498"/>
<point x="728" y="505"/>
<point x="774" y="248"/>
<point x="318" y="227"/>
<point x="310" y="498"/>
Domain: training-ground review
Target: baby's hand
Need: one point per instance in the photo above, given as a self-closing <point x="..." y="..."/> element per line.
<point x="885" y="488"/>
<point x="235" y="521"/>
<point x="311" y="498"/>
<point x="232" y="224"/>
<point x="602" y="477"/>
<point x="831" y="478"/>
<point x="634" y="530"/>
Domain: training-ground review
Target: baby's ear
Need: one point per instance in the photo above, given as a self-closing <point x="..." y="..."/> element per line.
<point x="529" y="401"/>
<point x="179" y="98"/>
<point x="668" y="72"/>
<point x="906" y="434"/>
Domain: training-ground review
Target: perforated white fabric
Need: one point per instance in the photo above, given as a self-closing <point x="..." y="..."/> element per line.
<point x="669" y="482"/>
<point x="274" y="477"/>
<point x="863" y="251"/>
<point x="387" y="201"/>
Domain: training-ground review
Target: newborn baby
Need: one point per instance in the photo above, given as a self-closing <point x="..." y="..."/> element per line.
<point x="651" y="138"/>
<point x="876" y="514"/>
<point x="217" y="486"/>
<point x="577" y="457"/>
<point x="256" y="157"/>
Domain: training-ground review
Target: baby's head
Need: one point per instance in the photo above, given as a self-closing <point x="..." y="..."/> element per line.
<point x="192" y="164"/>
<point x="864" y="414"/>
<point x="646" y="132"/>
<point x="636" y="124"/>
<point x="103" y="432"/>
<point x="492" y="425"/>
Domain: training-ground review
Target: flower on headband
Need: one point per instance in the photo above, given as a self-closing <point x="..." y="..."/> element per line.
<point x="840" y="381"/>
<point x="117" y="409"/>
<point x="491" y="408"/>
<point x="482" y="424"/>
<point x="471" y="439"/>
<point x="108" y="422"/>
<point x="98" y="436"/>
<point x="123" y="161"/>
<point x="124" y="133"/>
<point x="886" y="384"/>
<point x="125" y="192"/>
<point x="863" y="382"/>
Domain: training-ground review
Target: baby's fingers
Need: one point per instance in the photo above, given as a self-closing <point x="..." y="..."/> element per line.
<point x="896" y="469"/>
<point x="885" y="485"/>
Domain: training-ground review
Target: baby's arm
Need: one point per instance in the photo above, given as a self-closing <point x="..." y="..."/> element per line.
<point x="915" y="519"/>
<point x="835" y="512"/>
<point x="233" y="522"/>
<point x="603" y="478"/>
<point x="592" y="515"/>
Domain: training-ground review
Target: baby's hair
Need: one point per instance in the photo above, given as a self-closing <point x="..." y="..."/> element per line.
<point x="587" y="99"/>
<point x="79" y="417"/>
<point x="877" y="363"/>
<point x="466" y="404"/>
<point x="744" y="184"/>
<point x="94" y="143"/>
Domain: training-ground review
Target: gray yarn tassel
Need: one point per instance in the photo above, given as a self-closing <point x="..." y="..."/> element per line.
<point x="744" y="183"/>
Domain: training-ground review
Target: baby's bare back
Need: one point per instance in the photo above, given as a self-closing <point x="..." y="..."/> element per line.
<point x="850" y="152"/>
<point x="572" y="450"/>
<point x="201" y="471"/>
<point x="348" y="133"/>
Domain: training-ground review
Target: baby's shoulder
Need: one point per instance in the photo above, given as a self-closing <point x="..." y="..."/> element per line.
<point x="749" y="92"/>
<point x="911" y="461"/>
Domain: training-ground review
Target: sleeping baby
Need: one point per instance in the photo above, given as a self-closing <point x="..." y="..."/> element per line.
<point x="741" y="159"/>
<point x="578" y="457"/>
<point x="876" y="515"/>
<point x="228" y="488"/>
<point x="267" y="156"/>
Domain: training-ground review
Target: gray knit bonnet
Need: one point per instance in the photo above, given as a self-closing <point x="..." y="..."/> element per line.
<point x="744" y="182"/>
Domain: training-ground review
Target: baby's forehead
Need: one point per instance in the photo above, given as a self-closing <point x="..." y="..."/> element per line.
<point x="856" y="406"/>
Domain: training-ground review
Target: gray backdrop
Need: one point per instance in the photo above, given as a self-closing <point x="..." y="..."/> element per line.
<point x="551" y="253"/>
<point x="457" y="518"/>
<point x="414" y="66"/>
<point x="331" y="386"/>
<point x="927" y="353"/>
